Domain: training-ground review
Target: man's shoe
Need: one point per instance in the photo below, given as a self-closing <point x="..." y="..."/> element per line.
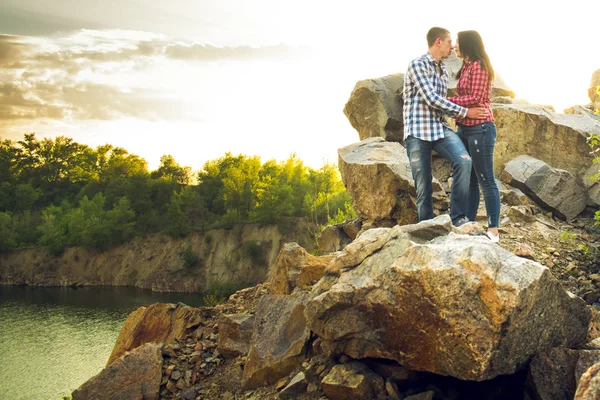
<point x="493" y="238"/>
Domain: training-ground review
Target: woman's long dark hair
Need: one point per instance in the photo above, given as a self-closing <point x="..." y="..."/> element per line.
<point x="470" y="45"/>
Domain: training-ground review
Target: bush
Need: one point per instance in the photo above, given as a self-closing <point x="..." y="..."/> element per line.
<point x="256" y="253"/>
<point x="188" y="258"/>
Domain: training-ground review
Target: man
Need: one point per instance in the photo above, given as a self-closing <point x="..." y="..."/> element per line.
<point x="425" y="130"/>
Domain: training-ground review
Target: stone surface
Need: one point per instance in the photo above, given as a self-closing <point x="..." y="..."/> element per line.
<point x="458" y="305"/>
<point x="134" y="376"/>
<point x="374" y="108"/>
<point x="235" y="333"/>
<point x="377" y="176"/>
<point x="555" y="374"/>
<point x="332" y="238"/>
<point x="295" y="388"/>
<point x="589" y="386"/>
<point x="554" y="189"/>
<point x="353" y="381"/>
<point x="159" y="322"/>
<point x="278" y="341"/>
<point x="558" y="139"/>
<point x="295" y="267"/>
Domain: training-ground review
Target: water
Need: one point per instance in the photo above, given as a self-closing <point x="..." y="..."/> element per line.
<point x="54" y="339"/>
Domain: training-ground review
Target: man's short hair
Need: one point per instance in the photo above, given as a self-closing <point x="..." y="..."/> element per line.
<point x="436" y="32"/>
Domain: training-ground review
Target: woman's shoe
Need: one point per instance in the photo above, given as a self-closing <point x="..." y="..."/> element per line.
<point x="493" y="238"/>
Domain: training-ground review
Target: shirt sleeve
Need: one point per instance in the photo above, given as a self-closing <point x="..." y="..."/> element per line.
<point x="418" y="74"/>
<point x="476" y="87"/>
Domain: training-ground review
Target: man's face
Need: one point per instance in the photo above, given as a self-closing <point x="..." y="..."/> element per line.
<point x="445" y="46"/>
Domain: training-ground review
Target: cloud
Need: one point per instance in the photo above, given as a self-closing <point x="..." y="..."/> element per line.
<point x="80" y="76"/>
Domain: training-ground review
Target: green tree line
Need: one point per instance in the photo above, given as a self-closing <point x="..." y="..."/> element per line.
<point x="58" y="193"/>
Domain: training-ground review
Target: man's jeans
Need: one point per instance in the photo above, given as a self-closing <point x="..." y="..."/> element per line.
<point x="480" y="141"/>
<point x="452" y="149"/>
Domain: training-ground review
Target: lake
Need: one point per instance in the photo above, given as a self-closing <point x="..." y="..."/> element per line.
<point x="54" y="339"/>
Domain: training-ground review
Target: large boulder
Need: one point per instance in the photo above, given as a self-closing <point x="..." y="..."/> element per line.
<point x="558" y="139"/>
<point x="457" y="305"/>
<point x="555" y="189"/>
<point x="377" y="175"/>
<point x="278" y="341"/>
<point x="159" y="322"/>
<point x="135" y="375"/>
<point x="374" y="108"/>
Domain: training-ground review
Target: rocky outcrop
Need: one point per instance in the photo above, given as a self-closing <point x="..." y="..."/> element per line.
<point x="135" y="375"/>
<point x="278" y="340"/>
<point x="457" y="305"/>
<point x="374" y="108"/>
<point x="557" y="139"/>
<point x="554" y="189"/>
<point x="157" y="323"/>
<point x="155" y="262"/>
<point x="377" y="175"/>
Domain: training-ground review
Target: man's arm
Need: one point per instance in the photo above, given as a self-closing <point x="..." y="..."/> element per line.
<point x="418" y="74"/>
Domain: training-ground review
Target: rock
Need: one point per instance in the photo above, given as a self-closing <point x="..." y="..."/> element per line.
<point x="458" y="305"/>
<point x="502" y="100"/>
<point x="592" y="185"/>
<point x="295" y="388"/>
<point x="331" y="239"/>
<point x="377" y="176"/>
<point x="524" y="250"/>
<point x="391" y="370"/>
<point x="424" y="231"/>
<point x="594" y="326"/>
<point x="589" y="386"/>
<point x="374" y="108"/>
<point x="295" y="267"/>
<point x="392" y="391"/>
<point x="554" y="189"/>
<point x="156" y="323"/>
<point x="514" y="197"/>
<point x="555" y="374"/>
<point x="422" y="396"/>
<point x="189" y="394"/>
<point x="135" y="375"/>
<point x="557" y="139"/>
<point x="353" y="381"/>
<point x="235" y="333"/>
<point x="278" y="341"/>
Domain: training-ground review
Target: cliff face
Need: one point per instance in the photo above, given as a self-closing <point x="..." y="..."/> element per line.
<point x="238" y="256"/>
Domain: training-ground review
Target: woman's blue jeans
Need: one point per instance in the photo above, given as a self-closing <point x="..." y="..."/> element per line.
<point x="480" y="141"/>
<point x="452" y="149"/>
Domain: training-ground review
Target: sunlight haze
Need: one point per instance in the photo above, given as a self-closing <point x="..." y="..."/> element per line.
<point x="196" y="79"/>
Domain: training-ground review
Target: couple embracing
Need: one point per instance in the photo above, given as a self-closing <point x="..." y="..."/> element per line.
<point x="470" y="150"/>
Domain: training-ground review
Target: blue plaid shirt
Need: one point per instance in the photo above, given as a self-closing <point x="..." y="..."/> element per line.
<point x="425" y="99"/>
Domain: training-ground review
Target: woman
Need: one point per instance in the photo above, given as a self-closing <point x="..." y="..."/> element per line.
<point x="479" y="136"/>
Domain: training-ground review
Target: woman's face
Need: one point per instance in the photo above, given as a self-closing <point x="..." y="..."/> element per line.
<point x="457" y="49"/>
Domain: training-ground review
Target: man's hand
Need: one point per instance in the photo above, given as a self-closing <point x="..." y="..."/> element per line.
<point x="477" y="113"/>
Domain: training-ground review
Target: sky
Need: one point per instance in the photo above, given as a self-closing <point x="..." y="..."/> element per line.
<point x="198" y="78"/>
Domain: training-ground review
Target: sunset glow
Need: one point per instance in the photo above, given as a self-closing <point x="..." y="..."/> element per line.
<point x="196" y="79"/>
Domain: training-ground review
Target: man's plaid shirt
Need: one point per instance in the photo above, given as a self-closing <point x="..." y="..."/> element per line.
<point x="424" y="99"/>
